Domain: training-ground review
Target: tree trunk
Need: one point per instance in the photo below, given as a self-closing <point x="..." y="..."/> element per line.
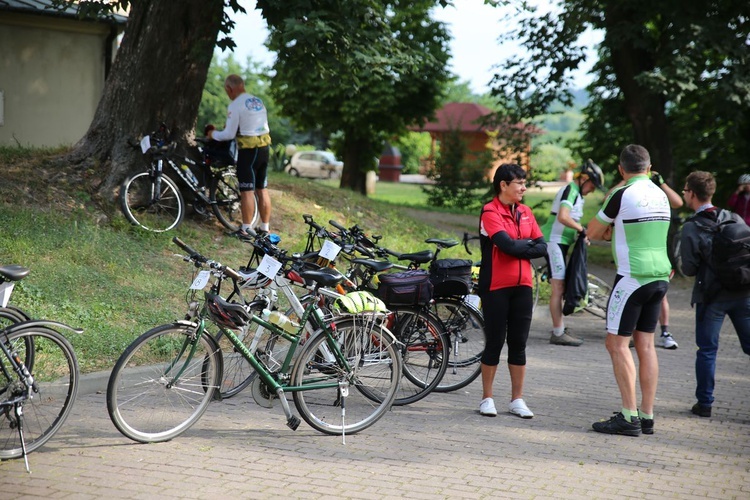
<point x="358" y="156"/>
<point x="646" y="110"/>
<point x="158" y="76"/>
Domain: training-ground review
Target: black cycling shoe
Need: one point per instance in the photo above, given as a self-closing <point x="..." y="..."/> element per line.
<point x="241" y="234"/>
<point x="701" y="411"/>
<point x="647" y="425"/>
<point x="618" y="425"/>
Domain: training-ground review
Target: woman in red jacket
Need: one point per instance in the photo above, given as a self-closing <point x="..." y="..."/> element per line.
<point x="509" y="237"/>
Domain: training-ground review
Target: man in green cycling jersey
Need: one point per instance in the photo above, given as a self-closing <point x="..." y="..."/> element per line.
<point x="635" y="217"/>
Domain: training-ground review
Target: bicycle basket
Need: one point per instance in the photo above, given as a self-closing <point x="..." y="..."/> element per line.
<point x="451" y="277"/>
<point x="219" y="154"/>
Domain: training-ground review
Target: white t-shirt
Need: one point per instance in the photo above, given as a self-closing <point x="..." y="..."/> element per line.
<point x="246" y="116"/>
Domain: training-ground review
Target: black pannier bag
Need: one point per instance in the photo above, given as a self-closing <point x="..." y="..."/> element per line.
<point x="451" y="277"/>
<point x="406" y="288"/>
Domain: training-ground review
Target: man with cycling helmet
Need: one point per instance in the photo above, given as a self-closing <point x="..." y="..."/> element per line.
<point x="739" y="202"/>
<point x="560" y="231"/>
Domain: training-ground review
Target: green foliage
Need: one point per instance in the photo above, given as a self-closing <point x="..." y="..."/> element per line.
<point x="674" y="79"/>
<point x="368" y="70"/>
<point x="413" y="146"/>
<point x="549" y="161"/>
<point x="459" y="174"/>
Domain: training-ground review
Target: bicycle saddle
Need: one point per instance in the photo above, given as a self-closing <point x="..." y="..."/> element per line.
<point x="324" y="276"/>
<point x="422" y="257"/>
<point x="13" y="272"/>
<point x="442" y="243"/>
<point x="375" y="265"/>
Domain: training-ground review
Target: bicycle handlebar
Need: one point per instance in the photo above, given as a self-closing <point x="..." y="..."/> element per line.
<point x="197" y="257"/>
<point x="466" y="239"/>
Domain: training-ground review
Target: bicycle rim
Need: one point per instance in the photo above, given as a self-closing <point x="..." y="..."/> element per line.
<point x="151" y="208"/>
<point x="424" y="353"/>
<point x="599" y="292"/>
<point x="465" y="327"/>
<point x="225" y="200"/>
<point x="144" y="402"/>
<point x="373" y="378"/>
<point x="55" y="371"/>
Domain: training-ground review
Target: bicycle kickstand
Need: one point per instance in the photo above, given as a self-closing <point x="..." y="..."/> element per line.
<point x="292" y="421"/>
<point x="344" y="390"/>
<point x="19" y="414"/>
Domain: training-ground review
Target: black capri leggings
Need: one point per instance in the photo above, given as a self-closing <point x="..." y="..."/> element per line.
<point x="507" y="314"/>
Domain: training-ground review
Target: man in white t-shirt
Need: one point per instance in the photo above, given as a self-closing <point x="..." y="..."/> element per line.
<point x="247" y="121"/>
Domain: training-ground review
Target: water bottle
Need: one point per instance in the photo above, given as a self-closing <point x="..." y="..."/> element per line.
<point x="281" y="320"/>
<point x="190" y="175"/>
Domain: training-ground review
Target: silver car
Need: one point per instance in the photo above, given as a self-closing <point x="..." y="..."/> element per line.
<point x="316" y="164"/>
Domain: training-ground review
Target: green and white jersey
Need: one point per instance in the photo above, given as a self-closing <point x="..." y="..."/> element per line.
<point x="554" y="231"/>
<point x="640" y="213"/>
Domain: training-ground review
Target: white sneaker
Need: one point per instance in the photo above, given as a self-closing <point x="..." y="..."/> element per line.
<point x="518" y="407"/>
<point x="666" y="341"/>
<point x="487" y="408"/>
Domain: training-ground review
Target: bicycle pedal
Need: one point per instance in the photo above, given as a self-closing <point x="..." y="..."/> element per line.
<point x="293" y="422"/>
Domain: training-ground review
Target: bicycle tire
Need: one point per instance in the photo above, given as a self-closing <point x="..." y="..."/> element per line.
<point x="424" y="352"/>
<point x="599" y="291"/>
<point x="140" y="209"/>
<point x="10" y="316"/>
<point x="224" y="195"/>
<point x="141" y="401"/>
<point x="56" y="376"/>
<point x="465" y="327"/>
<point x="374" y="376"/>
<point x="677" y="255"/>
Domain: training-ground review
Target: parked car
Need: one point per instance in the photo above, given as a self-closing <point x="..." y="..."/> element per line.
<point x="316" y="164"/>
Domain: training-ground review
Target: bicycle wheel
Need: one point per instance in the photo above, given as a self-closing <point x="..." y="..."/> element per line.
<point x="424" y="352"/>
<point x="144" y="400"/>
<point x="365" y="390"/>
<point x="677" y="255"/>
<point x="154" y="204"/>
<point x="599" y="292"/>
<point x="465" y="327"/>
<point x="225" y="200"/>
<point x="55" y="373"/>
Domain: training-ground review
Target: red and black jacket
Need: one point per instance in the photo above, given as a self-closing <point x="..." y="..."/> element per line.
<point x="509" y="237"/>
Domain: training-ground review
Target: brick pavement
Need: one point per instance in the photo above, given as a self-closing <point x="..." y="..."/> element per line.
<point x="437" y="448"/>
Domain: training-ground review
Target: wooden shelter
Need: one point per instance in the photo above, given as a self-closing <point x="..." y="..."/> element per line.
<point x="467" y="118"/>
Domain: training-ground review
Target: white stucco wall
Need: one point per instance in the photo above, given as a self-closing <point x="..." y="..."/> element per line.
<point x="51" y="78"/>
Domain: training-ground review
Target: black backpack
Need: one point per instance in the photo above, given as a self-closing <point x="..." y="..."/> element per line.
<point x="730" y="253"/>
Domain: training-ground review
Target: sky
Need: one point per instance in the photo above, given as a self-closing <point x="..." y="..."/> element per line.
<point x="473" y="25"/>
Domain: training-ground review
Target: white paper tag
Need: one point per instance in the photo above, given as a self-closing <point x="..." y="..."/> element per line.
<point x="330" y="250"/>
<point x="5" y="290"/>
<point x="200" y="281"/>
<point x="269" y="266"/>
<point x="473" y="300"/>
<point x="145" y="144"/>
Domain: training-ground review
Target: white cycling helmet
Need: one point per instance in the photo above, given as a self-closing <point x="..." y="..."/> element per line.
<point x="744" y="179"/>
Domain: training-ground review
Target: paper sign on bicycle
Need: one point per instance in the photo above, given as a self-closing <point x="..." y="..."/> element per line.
<point x="200" y="281"/>
<point x="145" y="144"/>
<point x="269" y="267"/>
<point x="330" y="250"/>
<point x="5" y="291"/>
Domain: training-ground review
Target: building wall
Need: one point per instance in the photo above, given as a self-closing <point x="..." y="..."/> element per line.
<point x="52" y="75"/>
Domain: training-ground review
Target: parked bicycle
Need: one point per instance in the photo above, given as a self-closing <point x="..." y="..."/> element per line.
<point x="38" y="375"/>
<point x="450" y="316"/>
<point x="153" y="200"/>
<point x="166" y="378"/>
<point x="598" y="289"/>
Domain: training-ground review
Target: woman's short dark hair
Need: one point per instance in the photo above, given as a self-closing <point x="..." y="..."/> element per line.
<point x="507" y="172"/>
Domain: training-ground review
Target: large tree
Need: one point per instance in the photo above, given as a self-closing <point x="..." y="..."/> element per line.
<point x="157" y="76"/>
<point x="364" y="68"/>
<point x="657" y="68"/>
